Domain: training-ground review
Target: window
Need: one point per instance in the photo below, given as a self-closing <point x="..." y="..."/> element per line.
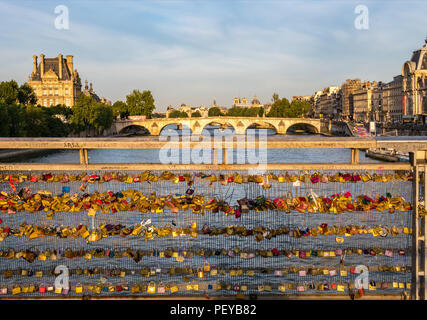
<point x="50" y="92"/>
<point x="44" y="92"/>
<point x="67" y="102"/>
<point x="56" y="91"/>
<point x="50" y="102"/>
<point x="45" y="102"/>
<point x="56" y="102"/>
<point x="66" y="90"/>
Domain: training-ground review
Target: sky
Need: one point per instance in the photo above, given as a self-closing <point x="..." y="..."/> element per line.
<point x="193" y="52"/>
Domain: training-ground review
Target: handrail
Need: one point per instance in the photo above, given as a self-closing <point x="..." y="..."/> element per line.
<point x="273" y="142"/>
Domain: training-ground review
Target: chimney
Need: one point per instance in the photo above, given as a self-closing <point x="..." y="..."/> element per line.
<point x="34" y="65"/>
<point x="41" y="65"/>
<point x="60" y="66"/>
<point x="70" y="63"/>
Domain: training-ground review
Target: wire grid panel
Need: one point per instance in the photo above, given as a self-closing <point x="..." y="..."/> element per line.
<point x="265" y="267"/>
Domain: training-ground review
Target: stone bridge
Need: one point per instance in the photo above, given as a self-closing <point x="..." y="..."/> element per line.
<point x="239" y="124"/>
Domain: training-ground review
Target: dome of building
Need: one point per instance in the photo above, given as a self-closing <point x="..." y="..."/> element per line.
<point x="255" y="100"/>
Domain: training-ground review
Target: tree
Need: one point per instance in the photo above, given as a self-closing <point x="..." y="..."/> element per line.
<point x="120" y="109"/>
<point x="102" y="116"/>
<point x="298" y="109"/>
<point x="261" y="111"/>
<point x="196" y="114"/>
<point x="9" y="92"/>
<point x="82" y="112"/>
<point x="279" y="109"/>
<point x="26" y="95"/>
<point x="275" y="97"/>
<point x="214" y="112"/>
<point x="178" y="114"/>
<point x="140" y="103"/>
<point x="4" y="127"/>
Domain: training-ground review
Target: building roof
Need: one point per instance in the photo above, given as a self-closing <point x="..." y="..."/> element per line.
<point x="419" y="57"/>
<point x="52" y="64"/>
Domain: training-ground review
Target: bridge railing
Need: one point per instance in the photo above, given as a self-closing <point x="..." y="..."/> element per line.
<point x="300" y="228"/>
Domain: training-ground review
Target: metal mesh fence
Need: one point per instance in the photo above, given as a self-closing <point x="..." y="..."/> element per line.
<point x="329" y="259"/>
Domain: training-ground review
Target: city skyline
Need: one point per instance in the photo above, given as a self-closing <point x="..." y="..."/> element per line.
<point x="190" y="55"/>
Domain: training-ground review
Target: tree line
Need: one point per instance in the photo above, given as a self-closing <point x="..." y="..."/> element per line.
<point x="280" y="108"/>
<point x="21" y="116"/>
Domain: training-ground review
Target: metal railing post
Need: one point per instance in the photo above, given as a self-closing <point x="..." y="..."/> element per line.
<point x="84" y="157"/>
<point x="423" y="230"/>
<point x="354" y="156"/>
<point x="415" y="292"/>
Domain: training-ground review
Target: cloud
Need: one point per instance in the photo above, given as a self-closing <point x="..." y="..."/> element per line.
<point x="195" y="51"/>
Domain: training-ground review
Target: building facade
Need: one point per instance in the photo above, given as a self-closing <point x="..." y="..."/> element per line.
<point x="414" y="73"/>
<point x="363" y="106"/>
<point x="55" y="81"/>
<point x="392" y="94"/>
<point x="347" y="90"/>
<point x="326" y="102"/>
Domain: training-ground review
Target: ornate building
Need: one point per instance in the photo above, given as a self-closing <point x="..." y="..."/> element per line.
<point x="243" y="103"/>
<point x="414" y="74"/>
<point x="54" y="81"/>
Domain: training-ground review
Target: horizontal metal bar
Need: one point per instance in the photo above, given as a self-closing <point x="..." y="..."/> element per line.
<point x="193" y="167"/>
<point x="273" y="142"/>
<point x="156" y="142"/>
<point x="394" y="296"/>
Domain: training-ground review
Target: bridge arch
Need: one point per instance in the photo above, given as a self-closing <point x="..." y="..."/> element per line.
<point x="216" y="122"/>
<point x="128" y="128"/>
<point x="263" y="123"/>
<point x="177" y="123"/>
<point x="303" y="124"/>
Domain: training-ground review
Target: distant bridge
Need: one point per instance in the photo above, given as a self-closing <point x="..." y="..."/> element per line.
<point x="239" y="124"/>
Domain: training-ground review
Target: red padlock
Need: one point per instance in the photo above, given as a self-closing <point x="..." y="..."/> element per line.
<point x="181" y="178"/>
<point x="361" y="291"/>
<point x="230" y="179"/>
<point x="237" y="213"/>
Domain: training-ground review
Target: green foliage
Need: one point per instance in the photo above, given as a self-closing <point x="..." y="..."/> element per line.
<point x="87" y="113"/>
<point x="245" y="112"/>
<point x="196" y="114"/>
<point x="158" y="115"/>
<point x="140" y="103"/>
<point x="120" y="109"/>
<point x="11" y="93"/>
<point x="4" y="127"/>
<point x="215" y="112"/>
<point x="26" y="95"/>
<point x="178" y="114"/>
<point x="279" y="108"/>
<point x="283" y="109"/>
<point x="299" y="108"/>
<point x="275" y="97"/>
<point x="22" y="118"/>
